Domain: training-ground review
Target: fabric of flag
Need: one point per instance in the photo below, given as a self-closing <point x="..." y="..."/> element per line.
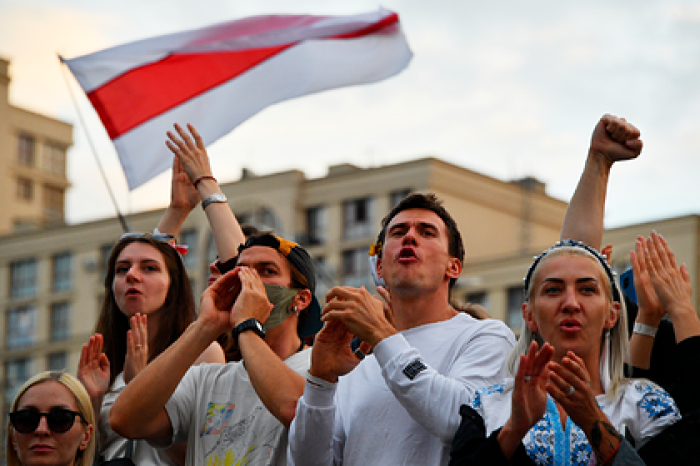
<point x="219" y="76"/>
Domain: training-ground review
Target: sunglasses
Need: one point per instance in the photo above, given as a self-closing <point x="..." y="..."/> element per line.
<point x="226" y="266"/>
<point x="59" y="420"/>
<point x="161" y="237"/>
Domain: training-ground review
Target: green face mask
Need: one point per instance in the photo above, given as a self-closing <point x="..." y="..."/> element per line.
<point x="281" y="298"/>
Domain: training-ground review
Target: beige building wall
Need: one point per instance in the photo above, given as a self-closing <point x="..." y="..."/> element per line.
<point x="33" y="186"/>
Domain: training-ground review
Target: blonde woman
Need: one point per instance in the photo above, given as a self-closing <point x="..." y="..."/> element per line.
<point x="568" y="401"/>
<point x="51" y="423"/>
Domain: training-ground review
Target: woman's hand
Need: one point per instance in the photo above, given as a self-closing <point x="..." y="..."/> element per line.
<point x="190" y="151"/>
<point x="93" y="368"/>
<point x="650" y="309"/>
<point x="183" y="194"/>
<point x="673" y="287"/>
<point x="136" y="347"/>
<point x="581" y="406"/>
<point x="529" y="397"/>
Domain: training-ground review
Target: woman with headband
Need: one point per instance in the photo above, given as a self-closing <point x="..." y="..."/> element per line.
<point x="147" y="305"/>
<point x="568" y="401"/>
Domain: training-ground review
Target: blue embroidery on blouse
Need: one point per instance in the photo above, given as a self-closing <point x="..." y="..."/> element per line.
<point x="655" y="401"/>
<point x="548" y="443"/>
<point x="484" y="392"/>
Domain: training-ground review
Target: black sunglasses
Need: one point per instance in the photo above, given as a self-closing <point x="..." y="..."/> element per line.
<point x="25" y="421"/>
<point x="162" y="237"/>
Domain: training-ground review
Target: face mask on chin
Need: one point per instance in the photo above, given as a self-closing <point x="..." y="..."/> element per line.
<point x="281" y="297"/>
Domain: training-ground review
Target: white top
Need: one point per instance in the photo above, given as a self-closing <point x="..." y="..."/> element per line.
<point x="401" y="404"/>
<point x="112" y="445"/>
<point x="216" y="410"/>
<point x="641" y="406"/>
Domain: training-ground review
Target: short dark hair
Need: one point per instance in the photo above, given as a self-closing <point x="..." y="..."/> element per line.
<point x="428" y="201"/>
<point x="177" y="312"/>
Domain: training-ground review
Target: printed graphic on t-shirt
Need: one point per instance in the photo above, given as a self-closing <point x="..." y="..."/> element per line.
<point x="237" y="441"/>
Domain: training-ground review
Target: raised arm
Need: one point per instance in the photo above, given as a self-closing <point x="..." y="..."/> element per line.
<point x="650" y="310"/>
<point x="139" y="411"/>
<point x="183" y="199"/>
<point x="613" y="140"/>
<point x="190" y="150"/>
<point x="277" y="385"/>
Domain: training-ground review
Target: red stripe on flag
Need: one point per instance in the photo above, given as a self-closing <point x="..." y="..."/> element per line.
<point x="145" y="92"/>
<point x="388" y="23"/>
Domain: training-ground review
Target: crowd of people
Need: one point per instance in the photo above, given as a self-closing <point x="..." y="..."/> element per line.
<point x="266" y="375"/>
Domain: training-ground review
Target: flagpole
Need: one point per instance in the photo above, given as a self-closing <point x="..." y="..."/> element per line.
<point x="121" y="218"/>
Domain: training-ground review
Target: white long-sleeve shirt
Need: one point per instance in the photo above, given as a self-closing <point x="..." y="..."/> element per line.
<point x="400" y="406"/>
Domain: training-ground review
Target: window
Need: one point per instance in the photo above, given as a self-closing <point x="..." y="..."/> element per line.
<point x="53" y="204"/>
<point x="478" y="297"/>
<point x="356" y="271"/>
<point x="55" y="158"/>
<point x="210" y="256"/>
<point x="25" y="189"/>
<point x="21" y="326"/>
<point x="514" y="317"/>
<point x="61" y="272"/>
<point x="105" y="251"/>
<point x="22" y="278"/>
<point x="357" y="218"/>
<point x="17" y="371"/>
<point x="189" y="239"/>
<point x="262" y="218"/>
<point x="316" y="225"/>
<point x="26" y="149"/>
<point x="60" y="321"/>
<point x="57" y="361"/>
<point x="397" y="196"/>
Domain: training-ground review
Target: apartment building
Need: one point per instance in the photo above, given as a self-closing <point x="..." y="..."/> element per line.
<point x="33" y="151"/>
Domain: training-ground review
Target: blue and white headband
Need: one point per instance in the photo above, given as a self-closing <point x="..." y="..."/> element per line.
<point x="576" y="244"/>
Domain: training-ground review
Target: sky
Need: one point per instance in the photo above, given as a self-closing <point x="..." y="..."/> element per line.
<point x="508" y="88"/>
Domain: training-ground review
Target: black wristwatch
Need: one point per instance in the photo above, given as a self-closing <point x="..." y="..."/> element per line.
<point x="249" y="324"/>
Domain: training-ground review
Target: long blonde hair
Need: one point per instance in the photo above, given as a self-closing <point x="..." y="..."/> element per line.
<point x="618" y="336"/>
<point x="83" y="457"/>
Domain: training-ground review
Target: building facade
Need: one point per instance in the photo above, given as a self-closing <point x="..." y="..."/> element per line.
<point x="33" y="178"/>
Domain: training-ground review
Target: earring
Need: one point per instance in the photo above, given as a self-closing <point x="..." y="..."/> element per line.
<point x="294" y="310"/>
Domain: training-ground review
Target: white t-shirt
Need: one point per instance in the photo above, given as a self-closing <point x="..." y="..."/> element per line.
<point x="216" y="410"/>
<point x="112" y="445"/>
<point x="401" y="404"/>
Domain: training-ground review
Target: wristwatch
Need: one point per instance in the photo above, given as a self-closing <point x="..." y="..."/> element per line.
<point x="249" y="324"/>
<point x="216" y="197"/>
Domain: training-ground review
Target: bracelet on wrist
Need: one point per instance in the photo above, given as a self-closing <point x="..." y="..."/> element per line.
<point x="644" y="329"/>
<point x="204" y="177"/>
<point x="318" y="382"/>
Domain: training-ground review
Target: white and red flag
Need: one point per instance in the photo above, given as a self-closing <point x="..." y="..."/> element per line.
<point x="219" y="76"/>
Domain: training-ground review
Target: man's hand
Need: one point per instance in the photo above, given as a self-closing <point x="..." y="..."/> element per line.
<point x="332" y="355"/>
<point x="360" y="312"/>
<point x="93" y="368"/>
<point x="217" y="302"/>
<point x="615" y="139"/>
<point x="252" y="301"/>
